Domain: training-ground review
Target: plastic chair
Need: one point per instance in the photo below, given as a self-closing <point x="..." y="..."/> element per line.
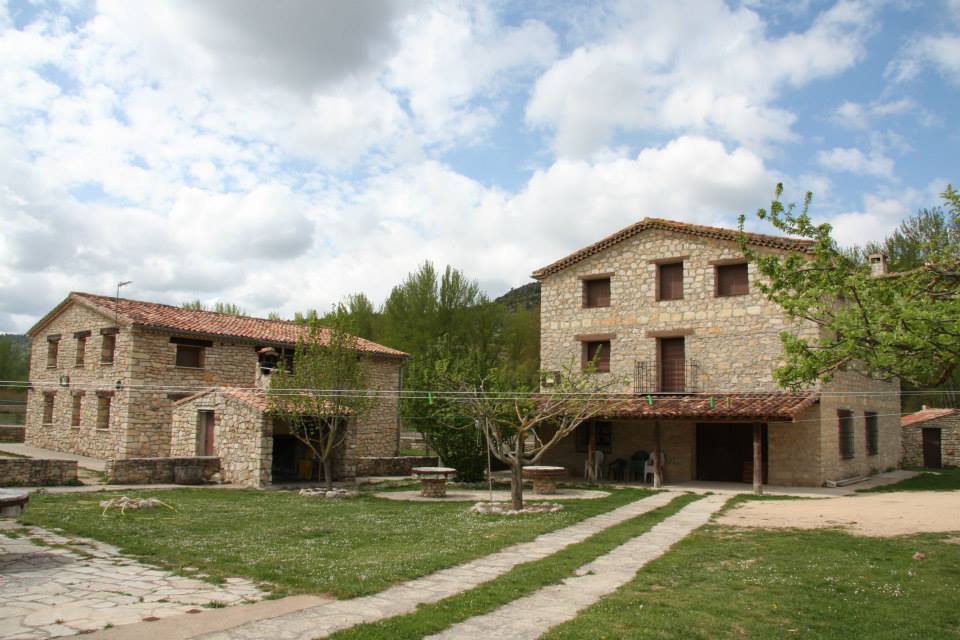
<point x="649" y="468"/>
<point x="617" y="469"/>
<point x="638" y="462"/>
<point x="597" y="467"/>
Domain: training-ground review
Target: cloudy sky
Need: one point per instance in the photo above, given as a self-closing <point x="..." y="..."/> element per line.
<point x="282" y="154"/>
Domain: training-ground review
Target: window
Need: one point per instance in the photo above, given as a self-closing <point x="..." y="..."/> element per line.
<point x="873" y="433"/>
<point x="670" y="281"/>
<point x="77" y="409"/>
<point x="48" y="400"/>
<point x="598" y="353"/>
<point x="53" y="351"/>
<point x="732" y="280"/>
<point x="845" y="420"/>
<point x="596" y="293"/>
<point x="103" y="411"/>
<point x="108" y="348"/>
<point x="189" y="356"/>
<point x="604" y="438"/>
<point x="81" y="355"/>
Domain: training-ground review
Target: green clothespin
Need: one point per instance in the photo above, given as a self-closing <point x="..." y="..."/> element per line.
<point x="650" y="400"/>
<point x="728" y="402"/>
<point x="713" y="402"/>
<point x="429" y="398"/>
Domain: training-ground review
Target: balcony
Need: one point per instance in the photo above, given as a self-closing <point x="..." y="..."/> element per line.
<point x="669" y="376"/>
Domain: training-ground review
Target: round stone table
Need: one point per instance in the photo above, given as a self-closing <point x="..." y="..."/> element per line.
<point x="433" y="480"/>
<point x="13" y="502"/>
<point x="544" y="478"/>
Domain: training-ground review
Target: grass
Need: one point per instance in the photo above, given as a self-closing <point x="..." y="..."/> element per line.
<point x="732" y="583"/>
<point x="517" y="583"/>
<point x="303" y="545"/>
<point x="928" y="480"/>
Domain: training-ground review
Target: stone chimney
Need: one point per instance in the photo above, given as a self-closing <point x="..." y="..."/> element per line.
<point x="878" y="263"/>
<point x="267" y="359"/>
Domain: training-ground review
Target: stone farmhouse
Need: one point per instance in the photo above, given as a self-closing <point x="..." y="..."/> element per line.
<point x="673" y="310"/>
<point x="931" y="438"/>
<point x="119" y="379"/>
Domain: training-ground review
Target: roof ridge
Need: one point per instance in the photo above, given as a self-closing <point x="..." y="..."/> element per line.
<point x="182" y="308"/>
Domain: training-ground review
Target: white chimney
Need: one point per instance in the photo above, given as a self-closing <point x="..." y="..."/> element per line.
<point x="878" y="263"/>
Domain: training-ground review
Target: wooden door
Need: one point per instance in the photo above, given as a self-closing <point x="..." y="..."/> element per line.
<point x="672" y="355"/>
<point x="931" y="449"/>
<point x="209" y="431"/>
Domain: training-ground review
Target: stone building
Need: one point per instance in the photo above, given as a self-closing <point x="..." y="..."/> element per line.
<point x="673" y="311"/>
<point x="931" y="438"/>
<point x="116" y="379"/>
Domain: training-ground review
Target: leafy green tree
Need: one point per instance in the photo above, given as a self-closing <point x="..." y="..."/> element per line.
<point x="320" y="395"/>
<point x="904" y="325"/>
<point x="226" y="308"/>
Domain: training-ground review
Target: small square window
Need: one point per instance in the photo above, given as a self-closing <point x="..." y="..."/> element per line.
<point x="670" y="281"/>
<point x="189" y="356"/>
<point x="732" y="280"/>
<point x="596" y="293"/>
<point x="598" y="353"/>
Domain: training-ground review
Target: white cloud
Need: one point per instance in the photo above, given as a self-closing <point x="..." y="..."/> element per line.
<point x="858" y="115"/>
<point x="855" y="161"/>
<point x="692" y="67"/>
<point x="940" y="50"/>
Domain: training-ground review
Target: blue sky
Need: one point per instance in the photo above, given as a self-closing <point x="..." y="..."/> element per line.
<point x="283" y="155"/>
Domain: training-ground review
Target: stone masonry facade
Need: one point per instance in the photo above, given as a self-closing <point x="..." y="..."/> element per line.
<point x="949" y="427"/>
<point x="734" y="341"/>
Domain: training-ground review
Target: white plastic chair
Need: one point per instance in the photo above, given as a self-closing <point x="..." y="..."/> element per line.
<point x="648" y="466"/>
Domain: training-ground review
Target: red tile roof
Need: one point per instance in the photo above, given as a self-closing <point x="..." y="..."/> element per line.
<point x="925" y="416"/>
<point x="718" y="233"/>
<point x="152" y="315"/>
<point x="725" y="406"/>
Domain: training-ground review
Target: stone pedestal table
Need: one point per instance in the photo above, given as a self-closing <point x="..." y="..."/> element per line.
<point x="433" y="480"/>
<point x="544" y="478"/>
<point x="12" y="502"/>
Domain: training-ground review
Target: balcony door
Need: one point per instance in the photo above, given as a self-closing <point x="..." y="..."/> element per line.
<point x="672" y="358"/>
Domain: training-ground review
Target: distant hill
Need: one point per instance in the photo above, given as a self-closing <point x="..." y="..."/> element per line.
<point x="527" y="296"/>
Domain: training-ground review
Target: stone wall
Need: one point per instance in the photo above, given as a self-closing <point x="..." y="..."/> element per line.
<point x="378" y="433"/>
<point x="241" y="438"/>
<point x="393" y="466"/>
<point x="33" y="472"/>
<point x="949" y="441"/>
<point x="734" y="339"/>
<point x="12" y="433"/>
<point x="86" y="379"/>
<point x="196" y="470"/>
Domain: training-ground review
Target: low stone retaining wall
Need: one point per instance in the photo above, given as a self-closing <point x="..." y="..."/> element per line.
<point x="397" y="466"/>
<point x="193" y="470"/>
<point x="12" y="433"/>
<point x="31" y="472"/>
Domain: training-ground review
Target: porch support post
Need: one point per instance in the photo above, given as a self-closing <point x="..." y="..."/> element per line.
<point x="757" y="459"/>
<point x="657" y="457"/>
<point x="592" y="452"/>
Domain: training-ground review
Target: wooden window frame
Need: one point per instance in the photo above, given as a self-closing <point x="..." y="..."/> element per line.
<point x="604" y="436"/>
<point x="105" y="340"/>
<point x="76" y="411"/>
<point x="718" y="267"/>
<point x="53" y="352"/>
<point x="49" y="407"/>
<point x="846" y="441"/>
<point x="659" y="278"/>
<point x="871" y="427"/>
<point x="189" y="348"/>
<point x="104" y="408"/>
<point x="80" y="357"/>
<point x="586" y="357"/>
<point x="587" y="282"/>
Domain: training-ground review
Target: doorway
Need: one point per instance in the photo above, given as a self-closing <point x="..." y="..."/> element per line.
<point x="206" y="433"/>
<point x="725" y="452"/>
<point x="931" y="449"/>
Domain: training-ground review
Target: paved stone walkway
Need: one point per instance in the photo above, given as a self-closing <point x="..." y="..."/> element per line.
<point x="532" y="616"/>
<point x="320" y="621"/>
<point x="47" y="591"/>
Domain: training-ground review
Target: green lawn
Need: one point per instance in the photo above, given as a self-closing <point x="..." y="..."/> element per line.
<point x="731" y="583"/>
<point x="346" y="548"/>
<point x="928" y="480"/>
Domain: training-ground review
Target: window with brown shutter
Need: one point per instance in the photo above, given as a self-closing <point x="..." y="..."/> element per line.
<point x="670" y="281"/>
<point x="48" y="400"/>
<point x="103" y="411"/>
<point x="108" y="348"/>
<point x="598" y="353"/>
<point x="845" y="423"/>
<point x="77" y="409"/>
<point x="672" y="368"/>
<point x="873" y="433"/>
<point x="81" y="351"/>
<point x="53" y="351"/>
<point x="732" y="280"/>
<point x="188" y="356"/>
<point x="596" y="293"/>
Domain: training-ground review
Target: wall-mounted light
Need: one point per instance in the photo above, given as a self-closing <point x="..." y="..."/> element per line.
<point x="64" y="381"/>
<point x="119" y="385"/>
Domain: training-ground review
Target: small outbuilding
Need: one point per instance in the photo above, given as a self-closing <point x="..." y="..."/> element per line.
<point x="931" y="438"/>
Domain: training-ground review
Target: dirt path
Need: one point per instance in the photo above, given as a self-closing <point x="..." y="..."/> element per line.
<point x="880" y="515"/>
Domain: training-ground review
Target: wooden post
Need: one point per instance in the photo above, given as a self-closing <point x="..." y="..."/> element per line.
<point x="657" y="457"/>
<point x="757" y="459"/>
<point x="592" y="452"/>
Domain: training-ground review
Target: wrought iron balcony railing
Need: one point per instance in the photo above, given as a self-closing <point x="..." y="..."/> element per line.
<point x="670" y="376"/>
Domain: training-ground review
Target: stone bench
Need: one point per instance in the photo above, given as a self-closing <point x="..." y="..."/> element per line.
<point x="544" y="478"/>
<point x="433" y="480"/>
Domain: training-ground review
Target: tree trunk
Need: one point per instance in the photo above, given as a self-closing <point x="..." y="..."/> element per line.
<point x="516" y="489"/>
<point x="328" y="473"/>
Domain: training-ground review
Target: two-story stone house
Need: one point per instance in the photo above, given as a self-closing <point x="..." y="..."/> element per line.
<point x="115" y="378"/>
<point x="673" y="309"/>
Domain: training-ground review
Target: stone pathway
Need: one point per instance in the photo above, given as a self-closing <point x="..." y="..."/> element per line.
<point x="530" y="617"/>
<point x="320" y="621"/>
<point x="48" y="591"/>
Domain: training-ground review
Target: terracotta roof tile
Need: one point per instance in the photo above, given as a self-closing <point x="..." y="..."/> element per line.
<point x="926" y="415"/>
<point x="154" y="315"/>
<point x="718" y="233"/>
<point x="732" y="406"/>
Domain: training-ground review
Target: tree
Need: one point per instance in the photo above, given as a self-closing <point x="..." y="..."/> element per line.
<point x="320" y="395"/>
<point x="904" y="325"/>
<point x="226" y="308"/>
<point x="514" y="424"/>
